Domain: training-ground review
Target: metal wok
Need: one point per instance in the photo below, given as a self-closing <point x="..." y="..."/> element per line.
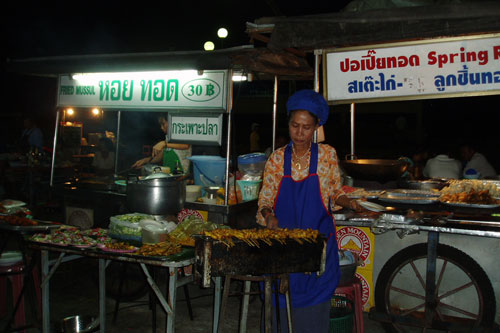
<point x="374" y="169"/>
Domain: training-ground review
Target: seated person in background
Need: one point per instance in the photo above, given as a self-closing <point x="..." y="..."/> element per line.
<point x="443" y="166"/>
<point x="104" y="158"/>
<point x="476" y="161"/>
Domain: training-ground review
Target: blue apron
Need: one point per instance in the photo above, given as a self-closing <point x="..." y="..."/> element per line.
<point x="299" y="205"/>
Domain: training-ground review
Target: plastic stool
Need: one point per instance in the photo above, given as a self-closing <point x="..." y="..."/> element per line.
<point x="16" y="278"/>
<point x="353" y="291"/>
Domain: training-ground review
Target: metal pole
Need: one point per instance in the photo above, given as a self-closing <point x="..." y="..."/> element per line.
<point x="275" y="110"/>
<point x="229" y="125"/>
<point x="352" y="130"/>
<point x="52" y="166"/>
<point x="118" y="127"/>
<point x="317" y="55"/>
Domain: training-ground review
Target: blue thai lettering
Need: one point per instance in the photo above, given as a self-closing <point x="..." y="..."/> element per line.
<point x="486" y="77"/>
<point x="391" y="83"/>
<point x="439" y="82"/>
<point x="463" y="78"/>
<point x="352" y="87"/>
<point x="369" y="85"/>
<point x="497" y="77"/>
<point x="451" y="80"/>
<point x="475" y="78"/>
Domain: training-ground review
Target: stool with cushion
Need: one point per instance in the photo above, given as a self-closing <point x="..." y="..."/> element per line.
<point x="353" y="291"/>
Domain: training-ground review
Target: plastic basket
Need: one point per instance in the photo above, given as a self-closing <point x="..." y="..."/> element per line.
<point x="249" y="189"/>
<point x="341" y="315"/>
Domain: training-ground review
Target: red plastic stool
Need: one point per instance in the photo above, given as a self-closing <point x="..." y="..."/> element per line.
<point x="17" y="281"/>
<point x="353" y="291"/>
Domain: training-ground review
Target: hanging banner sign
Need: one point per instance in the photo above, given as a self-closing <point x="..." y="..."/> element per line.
<point x="424" y="69"/>
<point x="195" y="129"/>
<point x="186" y="89"/>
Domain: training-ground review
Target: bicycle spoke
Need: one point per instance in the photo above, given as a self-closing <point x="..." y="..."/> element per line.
<point x="454" y="291"/>
<point x="461" y="311"/>
<point x="406" y="292"/>
<point x="417" y="274"/>
<point x="441" y="274"/>
<point x="415" y="308"/>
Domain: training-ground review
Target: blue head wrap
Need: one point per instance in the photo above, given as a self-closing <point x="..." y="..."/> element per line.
<point x="311" y="101"/>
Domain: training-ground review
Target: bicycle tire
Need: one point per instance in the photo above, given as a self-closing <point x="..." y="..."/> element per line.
<point x="395" y="266"/>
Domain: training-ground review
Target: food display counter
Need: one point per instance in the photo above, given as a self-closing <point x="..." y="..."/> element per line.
<point x="432" y="261"/>
<point x="172" y="263"/>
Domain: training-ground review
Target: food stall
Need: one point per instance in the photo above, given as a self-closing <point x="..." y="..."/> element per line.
<point x="196" y="90"/>
<point x="440" y="51"/>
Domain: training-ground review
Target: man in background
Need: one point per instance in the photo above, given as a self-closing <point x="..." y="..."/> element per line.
<point x="477" y="161"/>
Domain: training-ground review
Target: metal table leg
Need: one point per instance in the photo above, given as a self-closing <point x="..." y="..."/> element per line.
<point x="45" y="291"/>
<point x="172" y="298"/>
<point x="244" y="307"/>
<point x="102" y="295"/>
<point x="217" y="303"/>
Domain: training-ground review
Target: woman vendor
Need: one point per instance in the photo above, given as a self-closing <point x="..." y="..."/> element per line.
<point x="301" y="186"/>
<point x="172" y="155"/>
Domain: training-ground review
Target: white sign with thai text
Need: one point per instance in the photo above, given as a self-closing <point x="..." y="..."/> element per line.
<point x="200" y="129"/>
<point x="414" y="71"/>
<point x="186" y="89"/>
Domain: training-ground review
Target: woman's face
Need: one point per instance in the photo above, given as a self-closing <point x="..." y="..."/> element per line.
<point x="301" y="128"/>
<point x="163" y="125"/>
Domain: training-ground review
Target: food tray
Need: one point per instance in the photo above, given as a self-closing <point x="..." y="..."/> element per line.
<point x="470" y="205"/>
<point x="396" y="218"/>
<point x="412" y="193"/>
<point x="408" y="199"/>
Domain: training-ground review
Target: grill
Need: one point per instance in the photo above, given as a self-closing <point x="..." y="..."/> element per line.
<point x="214" y="258"/>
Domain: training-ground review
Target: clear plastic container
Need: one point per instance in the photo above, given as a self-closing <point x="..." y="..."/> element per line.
<point x="252" y="164"/>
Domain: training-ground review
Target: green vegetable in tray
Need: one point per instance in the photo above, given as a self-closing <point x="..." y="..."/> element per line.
<point x="123" y="230"/>
<point x="133" y="218"/>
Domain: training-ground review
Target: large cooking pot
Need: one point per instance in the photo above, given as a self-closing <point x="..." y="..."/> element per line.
<point x="156" y="196"/>
<point x="374" y="169"/>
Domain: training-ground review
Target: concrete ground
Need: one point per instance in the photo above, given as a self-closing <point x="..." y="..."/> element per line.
<point x="73" y="290"/>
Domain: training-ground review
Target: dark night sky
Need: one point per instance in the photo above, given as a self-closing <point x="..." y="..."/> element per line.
<point x="62" y="28"/>
<point x="112" y="27"/>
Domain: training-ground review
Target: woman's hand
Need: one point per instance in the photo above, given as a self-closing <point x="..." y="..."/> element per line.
<point x="354" y="205"/>
<point x="158" y="148"/>
<point x="140" y="163"/>
<point x="271" y="222"/>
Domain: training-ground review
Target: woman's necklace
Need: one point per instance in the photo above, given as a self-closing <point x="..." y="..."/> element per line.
<point x="299" y="159"/>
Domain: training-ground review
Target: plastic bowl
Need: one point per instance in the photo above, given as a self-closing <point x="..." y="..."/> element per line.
<point x="79" y="323"/>
<point x="193" y="192"/>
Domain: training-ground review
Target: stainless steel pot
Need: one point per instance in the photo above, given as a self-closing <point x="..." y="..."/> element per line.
<point x="157" y="196"/>
<point x="374" y="169"/>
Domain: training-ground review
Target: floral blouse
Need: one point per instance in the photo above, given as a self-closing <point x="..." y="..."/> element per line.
<point x="328" y="172"/>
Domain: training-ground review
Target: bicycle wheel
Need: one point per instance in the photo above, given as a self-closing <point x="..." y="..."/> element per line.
<point x="463" y="296"/>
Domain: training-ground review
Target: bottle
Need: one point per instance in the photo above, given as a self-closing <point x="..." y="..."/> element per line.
<point x="178" y="169"/>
